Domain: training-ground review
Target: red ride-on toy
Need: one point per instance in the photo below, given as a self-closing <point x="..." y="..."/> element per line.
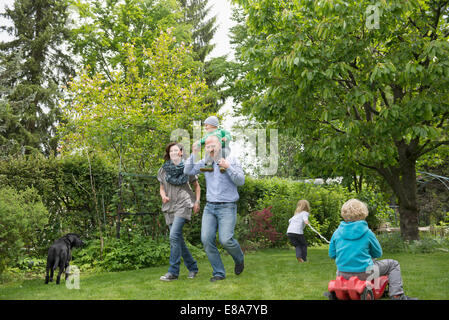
<point x="356" y="289"/>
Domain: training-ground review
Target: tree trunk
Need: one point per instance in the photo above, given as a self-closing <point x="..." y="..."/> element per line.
<point x="402" y="180"/>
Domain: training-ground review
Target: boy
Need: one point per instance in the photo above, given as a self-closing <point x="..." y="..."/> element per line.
<point x="211" y="126"/>
<point x="354" y="246"/>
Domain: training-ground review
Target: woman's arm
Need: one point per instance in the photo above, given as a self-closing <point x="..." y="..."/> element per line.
<point x="164" y="197"/>
<point x="196" y="206"/>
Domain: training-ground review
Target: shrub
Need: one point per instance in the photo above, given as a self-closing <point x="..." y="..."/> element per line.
<point x="127" y="254"/>
<point x="22" y="218"/>
<point x="261" y="227"/>
<point x="393" y="243"/>
<point x="282" y="196"/>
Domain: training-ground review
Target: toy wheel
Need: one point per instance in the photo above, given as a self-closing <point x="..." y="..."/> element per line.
<point x="367" y="294"/>
<point x="330" y="295"/>
<point x="385" y="294"/>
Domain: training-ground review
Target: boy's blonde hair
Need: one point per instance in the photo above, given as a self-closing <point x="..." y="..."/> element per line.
<point x="354" y="210"/>
<point x="303" y="205"/>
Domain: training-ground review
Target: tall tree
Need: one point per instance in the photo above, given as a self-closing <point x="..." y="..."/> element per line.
<point x="361" y="84"/>
<point x="103" y="28"/>
<point x="32" y="90"/>
<point x="195" y="14"/>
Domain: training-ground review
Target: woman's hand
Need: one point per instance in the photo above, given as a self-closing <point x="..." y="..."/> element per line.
<point x="196" y="207"/>
<point x="165" y="199"/>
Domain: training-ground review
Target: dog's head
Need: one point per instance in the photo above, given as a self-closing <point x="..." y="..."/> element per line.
<point x="74" y="240"/>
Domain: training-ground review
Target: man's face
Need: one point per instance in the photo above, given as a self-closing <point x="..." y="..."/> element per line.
<point x="213" y="146"/>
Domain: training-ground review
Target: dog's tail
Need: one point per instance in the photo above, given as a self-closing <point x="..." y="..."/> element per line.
<point x="56" y="263"/>
<point x="52" y="259"/>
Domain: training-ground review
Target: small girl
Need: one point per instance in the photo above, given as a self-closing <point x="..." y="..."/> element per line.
<point x="295" y="231"/>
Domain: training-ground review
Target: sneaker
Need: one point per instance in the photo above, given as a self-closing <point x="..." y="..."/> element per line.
<point x="168" y="277"/>
<point x="402" y="297"/>
<point x="238" y="269"/>
<point x="216" y="278"/>
<point x="192" y="274"/>
<point x="300" y="259"/>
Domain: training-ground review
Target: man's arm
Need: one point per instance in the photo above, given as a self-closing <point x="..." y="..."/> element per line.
<point x="191" y="168"/>
<point x="235" y="172"/>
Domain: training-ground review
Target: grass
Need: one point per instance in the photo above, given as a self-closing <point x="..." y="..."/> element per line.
<point x="271" y="274"/>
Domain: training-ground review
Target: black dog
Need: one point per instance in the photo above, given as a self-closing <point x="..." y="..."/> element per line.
<point x="60" y="254"/>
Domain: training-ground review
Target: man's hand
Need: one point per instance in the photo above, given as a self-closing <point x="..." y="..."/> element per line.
<point x="196" y="147"/>
<point x="224" y="163"/>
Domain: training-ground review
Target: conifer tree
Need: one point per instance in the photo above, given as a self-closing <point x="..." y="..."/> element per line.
<point x="41" y="65"/>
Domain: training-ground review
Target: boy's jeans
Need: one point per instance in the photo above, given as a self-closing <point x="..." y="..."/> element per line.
<point x="221" y="216"/>
<point x="179" y="249"/>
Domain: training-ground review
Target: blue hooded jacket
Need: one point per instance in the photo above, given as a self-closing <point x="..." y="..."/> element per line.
<point x="354" y="246"/>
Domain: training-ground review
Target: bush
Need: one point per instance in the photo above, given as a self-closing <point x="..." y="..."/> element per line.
<point x="262" y="228"/>
<point x="393" y="243"/>
<point x="127" y="254"/>
<point x="22" y="218"/>
<point x="282" y="196"/>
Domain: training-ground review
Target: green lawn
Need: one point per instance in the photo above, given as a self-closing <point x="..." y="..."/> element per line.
<point x="272" y="274"/>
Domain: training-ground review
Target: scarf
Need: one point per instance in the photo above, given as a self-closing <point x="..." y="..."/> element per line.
<point x="174" y="174"/>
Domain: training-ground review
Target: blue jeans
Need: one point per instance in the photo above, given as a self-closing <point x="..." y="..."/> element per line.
<point x="179" y="249"/>
<point x="221" y="217"/>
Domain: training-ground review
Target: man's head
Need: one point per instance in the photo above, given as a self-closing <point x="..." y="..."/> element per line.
<point x="354" y="210"/>
<point x="213" y="146"/>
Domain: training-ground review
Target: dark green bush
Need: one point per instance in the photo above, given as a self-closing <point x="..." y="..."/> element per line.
<point x="22" y="218"/>
<point x="127" y="254"/>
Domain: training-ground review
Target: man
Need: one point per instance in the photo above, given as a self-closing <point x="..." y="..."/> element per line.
<point x="220" y="212"/>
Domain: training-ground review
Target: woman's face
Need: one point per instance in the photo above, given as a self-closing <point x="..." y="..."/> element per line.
<point x="175" y="154"/>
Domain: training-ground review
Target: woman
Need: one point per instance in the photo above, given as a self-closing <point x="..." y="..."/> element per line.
<point x="295" y="231"/>
<point x="178" y="200"/>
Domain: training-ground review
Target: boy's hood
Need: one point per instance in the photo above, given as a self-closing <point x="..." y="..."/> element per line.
<point x="353" y="230"/>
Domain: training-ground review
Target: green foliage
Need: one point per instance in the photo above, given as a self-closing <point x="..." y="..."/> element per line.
<point x="127" y="254"/>
<point x="394" y="243"/>
<point x="282" y="196"/>
<point x="33" y="67"/>
<point x="22" y="217"/>
<point x="131" y="117"/>
<point x="65" y="190"/>
<point x="106" y="26"/>
<point x="359" y="97"/>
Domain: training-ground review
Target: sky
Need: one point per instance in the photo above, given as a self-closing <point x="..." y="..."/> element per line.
<point x="222" y="9"/>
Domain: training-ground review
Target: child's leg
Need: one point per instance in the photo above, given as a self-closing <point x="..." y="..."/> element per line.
<point x="298" y="252"/>
<point x="294" y="241"/>
<point x="225" y="152"/>
<point x="303" y="245"/>
<point x="392" y="269"/>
